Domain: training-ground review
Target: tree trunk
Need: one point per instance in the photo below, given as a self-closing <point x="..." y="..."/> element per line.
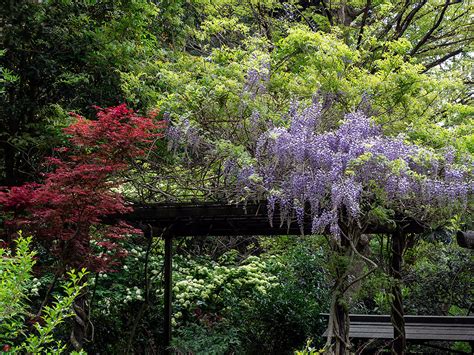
<point x="396" y="307"/>
<point x="81" y="321"/>
<point x="341" y="315"/>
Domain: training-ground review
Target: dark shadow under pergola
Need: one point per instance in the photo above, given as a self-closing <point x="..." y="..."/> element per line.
<point x="221" y="219"/>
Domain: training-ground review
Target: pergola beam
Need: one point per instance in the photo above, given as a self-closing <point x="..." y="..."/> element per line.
<point x="205" y="219"/>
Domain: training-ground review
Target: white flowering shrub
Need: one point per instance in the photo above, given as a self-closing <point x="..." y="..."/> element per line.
<point x="200" y="285"/>
<point x="125" y="287"/>
<point x="265" y="304"/>
<point x="205" y="289"/>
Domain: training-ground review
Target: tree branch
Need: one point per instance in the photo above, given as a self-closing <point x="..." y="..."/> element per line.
<point x="408" y="20"/>
<point x="327" y="12"/>
<point x="397" y="20"/>
<point x="364" y="20"/>
<point x="441" y="60"/>
<point x="432" y="29"/>
<point x="446" y="44"/>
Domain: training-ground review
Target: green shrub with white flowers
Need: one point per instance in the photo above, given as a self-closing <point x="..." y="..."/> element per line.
<point x="206" y="288"/>
<point x="269" y="303"/>
<point x="221" y="304"/>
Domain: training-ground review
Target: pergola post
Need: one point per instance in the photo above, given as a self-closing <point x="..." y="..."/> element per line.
<point x="168" y="280"/>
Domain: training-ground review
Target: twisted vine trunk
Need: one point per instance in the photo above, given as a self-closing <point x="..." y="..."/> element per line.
<point x="339" y="324"/>
<point x="396" y="307"/>
<point x="341" y="320"/>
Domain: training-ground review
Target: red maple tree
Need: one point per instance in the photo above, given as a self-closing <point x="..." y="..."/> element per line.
<point x="65" y="211"/>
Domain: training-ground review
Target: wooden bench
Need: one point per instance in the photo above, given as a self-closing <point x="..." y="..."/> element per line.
<point x="417" y="328"/>
<point x="465" y="239"/>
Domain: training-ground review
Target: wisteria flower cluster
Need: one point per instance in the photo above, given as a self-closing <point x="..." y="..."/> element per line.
<point x="183" y="132"/>
<point x="257" y="79"/>
<point x="347" y="171"/>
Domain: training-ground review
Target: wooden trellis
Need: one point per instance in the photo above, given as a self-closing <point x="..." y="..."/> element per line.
<point x="214" y="219"/>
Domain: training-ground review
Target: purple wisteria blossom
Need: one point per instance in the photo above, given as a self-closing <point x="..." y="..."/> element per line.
<point x="344" y="172"/>
<point x="183" y="134"/>
<point x="257" y="79"/>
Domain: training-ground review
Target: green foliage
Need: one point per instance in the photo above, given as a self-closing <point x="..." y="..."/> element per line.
<point x="290" y="313"/>
<point x="439" y="278"/>
<point x="15" y="279"/>
<point x="221" y="338"/>
<point x="269" y="302"/>
<point x="42" y="338"/>
<point x="303" y="60"/>
<point x="275" y="317"/>
<point x="308" y="350"/>
<point x="15" y="282"/>
<point x="6" y="76"/>
<point x="64" y="56"/>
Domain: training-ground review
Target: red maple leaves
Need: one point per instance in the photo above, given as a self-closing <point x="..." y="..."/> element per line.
<point x="65" y="211"/>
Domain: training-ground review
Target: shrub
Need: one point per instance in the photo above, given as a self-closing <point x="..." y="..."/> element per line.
<point x="15" y="282"/>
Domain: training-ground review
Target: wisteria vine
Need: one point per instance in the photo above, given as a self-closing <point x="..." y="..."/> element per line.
<point x="344" y="173"/>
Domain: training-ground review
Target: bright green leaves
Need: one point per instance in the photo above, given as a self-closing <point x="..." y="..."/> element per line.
<point x="222" y="28"/>
<point x="15" y="286"/>
<point x="6" y="76"/>
<point x="308" y="61"/>
<point x="43" y="340"/>
<point x="15" y="276"/>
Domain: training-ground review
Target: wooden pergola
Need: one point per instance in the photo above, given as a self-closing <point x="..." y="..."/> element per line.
<point x="220" y="219"/>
